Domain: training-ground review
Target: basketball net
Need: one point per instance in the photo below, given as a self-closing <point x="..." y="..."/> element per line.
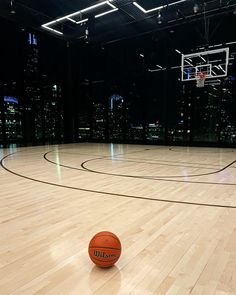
<point x="200" y="79"/>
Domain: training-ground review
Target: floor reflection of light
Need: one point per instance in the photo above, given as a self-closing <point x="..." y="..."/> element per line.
<point x="224" y="175"/>
<point x="58" y="165"/>
<point x="57" y="250"/>
<point x="112" y="151"/>
<point x="2" y="154"/>
<point x="64" y="249"/>
<point x="12" y="148"/>
<point x="105" y="278"/>
<point x="121" y="149"/>
<point x="185" y="173"/>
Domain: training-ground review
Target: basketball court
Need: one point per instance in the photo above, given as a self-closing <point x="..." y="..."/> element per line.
<point x="173" y="209"/>
<point x="117" y="147"/>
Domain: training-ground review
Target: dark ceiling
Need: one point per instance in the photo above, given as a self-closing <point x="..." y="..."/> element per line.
<point x="125" y="21"/>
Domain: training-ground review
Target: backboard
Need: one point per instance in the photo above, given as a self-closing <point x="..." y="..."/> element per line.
<point x="214" y="63"/>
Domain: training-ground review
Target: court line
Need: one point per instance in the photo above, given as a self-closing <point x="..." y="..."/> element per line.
<point x="133" y="176"/>
<point x="157" y="163"/>
<point x="107" y="193"/>
<point x="139" y="177"/>
<point x="166" y="148"/>
<point x="108" y="158"/>
<point x="180" y="162"/>
<point x="154" y="177"/>
<point x="200" y="152"/>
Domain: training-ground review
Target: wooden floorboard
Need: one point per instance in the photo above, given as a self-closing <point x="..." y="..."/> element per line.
<point x="173" y="208"/>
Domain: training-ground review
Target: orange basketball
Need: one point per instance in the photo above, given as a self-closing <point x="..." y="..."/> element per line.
<point x="104" y="249"/>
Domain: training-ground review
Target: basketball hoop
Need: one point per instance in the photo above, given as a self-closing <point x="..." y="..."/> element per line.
<point x="200" y="79"/>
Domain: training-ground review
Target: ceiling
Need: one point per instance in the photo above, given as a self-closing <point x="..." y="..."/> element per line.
<point x="108" y="21"/>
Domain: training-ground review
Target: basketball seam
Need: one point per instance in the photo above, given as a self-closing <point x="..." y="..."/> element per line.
<point x="105" y="236"/>
<point x="99" y="247"/>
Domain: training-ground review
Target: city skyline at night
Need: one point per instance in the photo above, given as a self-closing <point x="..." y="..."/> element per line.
<point x="122" y="101"/>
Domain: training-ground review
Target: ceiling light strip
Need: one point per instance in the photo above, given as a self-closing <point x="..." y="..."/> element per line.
<point x="174" y="3"/>
<point x="178" y="51"/>
<point x="104" y="13"/>
<point x="233" y="42"/>
<point x="156" y="8"/>
<point x="112" y="5"/>
<point x="68" y="17"/>
<point x="52" y="30"/>
<point x="72" y="20"/>
<point x="140" y="7"/>
<point x="156" y="70"/>
<point x="95" y="6"/>
<point x="202" y="58"/>
<point x="82" y="21"/>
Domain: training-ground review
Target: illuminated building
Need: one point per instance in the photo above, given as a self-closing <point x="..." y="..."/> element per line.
<point x="53" y="116"/>
<point x="154" y="131"/>
<point x="13" y="124"/>
<point x="32" y="95"/>
<point x="84" y="125"/>
<point x="116" y="117"/>
<point x="98" y="121"/>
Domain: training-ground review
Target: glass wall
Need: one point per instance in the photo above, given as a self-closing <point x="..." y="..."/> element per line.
<point x="99" y="111"/>
<point x="135" y="93"/>
<point x="155" y="114"/>
<point x="2" y="119"/>
<point x="135" y="129"/>
<point x="125" y="91"/>
<point x="31" y="87"/>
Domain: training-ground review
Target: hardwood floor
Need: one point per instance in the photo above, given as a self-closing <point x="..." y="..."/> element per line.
<point x="173" y="208"/>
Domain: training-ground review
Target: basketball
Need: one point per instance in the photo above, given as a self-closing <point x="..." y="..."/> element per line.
<point x="104" y="249"/>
